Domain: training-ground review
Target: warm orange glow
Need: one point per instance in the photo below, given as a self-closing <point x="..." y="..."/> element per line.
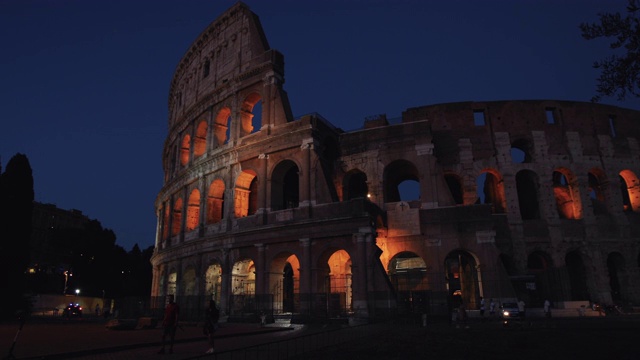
<point x="165" y="223"/>
<point x="184" y="150"/>
<point x="215" y="202"/>
<point x="632" y="187"/>
<point x="200" y="141"/>
<point x="177" y="217"/>
<point x="222" y="123"/>
<point x="193" y="210"/>
<point x="242" y="193"/>
<point x="247" y="112"/>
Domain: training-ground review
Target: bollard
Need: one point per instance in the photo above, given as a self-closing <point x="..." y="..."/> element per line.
<point x="424" y="320"/>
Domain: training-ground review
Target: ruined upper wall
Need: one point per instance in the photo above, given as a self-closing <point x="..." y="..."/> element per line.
<point x="230" y="47"/>
<point x="519" y="118"/>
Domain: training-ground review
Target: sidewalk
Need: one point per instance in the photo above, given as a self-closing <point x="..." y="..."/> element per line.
<point x="90" y="339"/>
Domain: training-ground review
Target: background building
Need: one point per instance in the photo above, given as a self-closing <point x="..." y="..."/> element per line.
<point x="266" y="213"/>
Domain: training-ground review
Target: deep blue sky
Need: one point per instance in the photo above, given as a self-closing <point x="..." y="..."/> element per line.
<point x="84" y="83"/>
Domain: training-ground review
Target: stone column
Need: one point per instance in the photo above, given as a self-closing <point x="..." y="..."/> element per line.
<point x="305" y="277"/>
<point x="359" y="284"/>
<point x="305" y="179"/>
<point x="225" y="286"/>
<point x="203" y="206"/>
<point x="261" y="277"/>
<point x="263" y="188"/>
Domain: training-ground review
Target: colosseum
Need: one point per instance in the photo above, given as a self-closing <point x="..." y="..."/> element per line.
<point x="270" y="214"/>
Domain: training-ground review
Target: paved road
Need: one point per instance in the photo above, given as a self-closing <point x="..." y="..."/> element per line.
<point x="562" y="338"/>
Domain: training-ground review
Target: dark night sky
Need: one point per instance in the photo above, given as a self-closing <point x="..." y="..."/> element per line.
<point x="84" y="84"/>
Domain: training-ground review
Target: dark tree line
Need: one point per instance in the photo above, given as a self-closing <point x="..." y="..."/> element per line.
<point x="16" y="207"/>
<point x="100" y="268"/>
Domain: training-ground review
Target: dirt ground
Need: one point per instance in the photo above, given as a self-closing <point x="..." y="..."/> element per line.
<point x="615" y="338"/>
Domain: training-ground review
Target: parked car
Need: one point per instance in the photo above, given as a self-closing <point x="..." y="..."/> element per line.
<point x="510" y="310"/>
<point x="72" y="310"/>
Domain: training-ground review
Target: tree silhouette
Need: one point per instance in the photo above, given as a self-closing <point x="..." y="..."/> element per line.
<point x="16" y="207"/>
<point x="620" y="72"/>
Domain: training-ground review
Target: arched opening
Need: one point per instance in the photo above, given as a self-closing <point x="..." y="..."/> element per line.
<point x="213" y="282"/>
<point x="247" y="114"/>
<point x="222" y="126"/>
<point x="284" y="283"/>
<point x="285" y="193"/>
<point x="566" y="194"/>
<point x="184" y="150"/>
<point x="200" y="141"/>
<point x="462" y="279"/>
<point x="189" y="282"/>
<point x="490" y="190"/>
<point x="577" y="276"/>
<point x="193" y="210"/>
<point x="245" y="194"/>
<point x="176" y="220"/>
<point x="527" y="187"/>
<point x="454" y="182"/>
<point x="540" y="267"/>
<point x="408" y="275"/>
<point x="215" y="202"/>
<point x="243" y="287"/>
<point x="401" y="181"/>
<point x="334" y="282"/>
<point x="521" y="151"/>
<point x="617" y="276"/>
<point x="597" y="191"/>
<point x="172" y="283"/>
<point x="630" y="190"/>
<point x="355" y="185"/>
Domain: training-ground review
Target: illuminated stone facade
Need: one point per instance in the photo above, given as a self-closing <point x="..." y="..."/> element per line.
<point x="267" y="213"/>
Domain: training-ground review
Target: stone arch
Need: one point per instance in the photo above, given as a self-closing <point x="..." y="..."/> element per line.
<point x="490" y="190"/>
<point x="176" y="219"/>
<point x="521" y="151"/>
<point x="597" y="193"/>
<point x="456" y="187"/>
<point x="355" y="185"/>
<point x="407" y="272"/>
<point x="243" y="286"/>
<point x="193" y="211"/>
<point x="185" y="148"/>
<point x="213" y="282"/>
<point x="577" y="276"/>
<point x="463" y="279"/>
<point x="189" y="286"/>
<point x="284" y="282"/>
<point x="395" y="173"/>
<point x="200" y="139"/>
<point x="630" y="190"/>
<point x="172" y="282"/>
<point x="618" y="277"/>
<point x="285" y="186"/>
<point x="247" y="114"/>
<point x="246" y="194"/>
<point x="540" y="266"/>
<point x="566" y="193"/>
<point x="527" y="186"/>
<point x="222" y="126"/>
<point x="215" y="202"/>
<point x="334" y="278"/>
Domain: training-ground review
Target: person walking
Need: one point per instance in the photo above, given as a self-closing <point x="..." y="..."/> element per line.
<point x="211" y="324"/>
<point x="547" y="308"/>
<point x="170" y="324"/>
<point x="492" y="307"/>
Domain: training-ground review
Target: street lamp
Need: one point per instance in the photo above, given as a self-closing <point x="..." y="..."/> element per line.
<point x="67" y="273"/>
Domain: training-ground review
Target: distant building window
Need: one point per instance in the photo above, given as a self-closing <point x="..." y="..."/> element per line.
<point x="551" y="116"/>
<point x="612" y="126"/>
<point x="478" y="118"/>
<point x="207" y="67"/>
